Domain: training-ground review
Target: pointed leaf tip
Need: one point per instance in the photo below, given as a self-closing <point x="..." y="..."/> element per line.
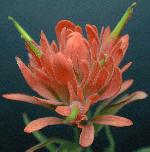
<point x="133" y="5"/>
<point x="20" y="29"/>
<point x="25" y="118"/>
<point x="121" y="24"/>
<point x="24" y="35"/>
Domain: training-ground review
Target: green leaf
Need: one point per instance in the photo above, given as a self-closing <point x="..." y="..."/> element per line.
<point x="67" y="144"/>
<point x="39" y="136"/>
<point x="49" y="143"/>
<point x="111" y="147"/>
<point x="88" y="150"/>
<point x="70" y="148"/>
<point x="146" y="149"/>
<point x="76" y="134"/>
<point x="20" y="29"/>
<point x="114" y="108"/>
<point x="100" y="107"/>
<point x="64" y="150"/>
<point x="121" y="24"/>
<point x="39" y="146"/>
<point x="28" y="39"/>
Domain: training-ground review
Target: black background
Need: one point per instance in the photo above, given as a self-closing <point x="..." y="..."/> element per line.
<point x="37" y="15"/>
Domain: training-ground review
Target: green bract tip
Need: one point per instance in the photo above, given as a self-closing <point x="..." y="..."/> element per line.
<point x="25" y="36"/>
<point x="73" y="115"/>
<point x="23" y="33"/>
<point x="121" y="24"/>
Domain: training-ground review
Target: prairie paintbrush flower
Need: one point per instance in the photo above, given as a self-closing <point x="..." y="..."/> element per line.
<point x="76" y="74"/>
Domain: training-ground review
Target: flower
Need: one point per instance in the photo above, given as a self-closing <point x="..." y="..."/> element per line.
<point x="76" y="74"/>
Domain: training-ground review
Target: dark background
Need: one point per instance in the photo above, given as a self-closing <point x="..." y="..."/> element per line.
<point x="37" y="15"/>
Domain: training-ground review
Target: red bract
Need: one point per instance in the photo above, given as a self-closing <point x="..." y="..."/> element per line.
<point x="78" y="69"/>
<point x="74" y="75"/>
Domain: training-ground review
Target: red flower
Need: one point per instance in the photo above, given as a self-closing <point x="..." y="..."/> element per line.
<point x="74" y="75"/>
<point x="79" y="69"/>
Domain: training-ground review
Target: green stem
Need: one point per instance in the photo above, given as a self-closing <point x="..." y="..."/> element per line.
<point x="111" y="147"/>
<point x="76" y="134"/>
<point x="39" y="136"/>
<point x="99" y="108"/>
<point x="89" y="149"/>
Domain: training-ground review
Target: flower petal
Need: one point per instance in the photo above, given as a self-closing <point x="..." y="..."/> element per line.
<point x="72" y="94"/>
<point x="57" y="91"/>
<point x="91" y="33"/>
<point x="41" y="123"/>
<point x="51" y="102"/>
<point x="126" y="67"/>
<point x="54" y="46"/>
<point x="94" y="50"/>
<point x="126" y="85"/>
<point x="18" y="97"/>
<point x="99" y="76"/>
<point x="32" y="81"/>
<point x="78" y="29"/>
<point x="75" y="43"/>
<point x="125" y="43"/>
<point x="119" y="53"/>
<point x="117" y="56"/>
<point x="85" y="72"/>
<point x="105" y="36"/>
<point x="31" y="99"/>
<point x="61" y="24"/>
<point x="94" y="98"/>
<point x="63" y="37"/>
<point x="80" y="94"/>
<point x="63" y="110"/>
<point x="44" y="44"/>
<point x="114" y="85"/>
<point x="114" y="108"/>
<point x="63" y="70"/>
<point x="87" y="135"/>
<point x="93" y="72"/>
<point x="112" y="120"/>
<point x="99" y="81"/>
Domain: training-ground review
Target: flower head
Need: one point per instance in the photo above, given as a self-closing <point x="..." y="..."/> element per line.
<point x="76" y="74"/>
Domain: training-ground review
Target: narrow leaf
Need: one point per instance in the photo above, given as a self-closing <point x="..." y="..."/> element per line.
<point x="114" y="108"/>
<point x="28" y="39"/>
<point x="121" y="24"/>
<point x="88" y="150"/>
<point x="20" y="29"/>
<point x="68" y="144"/>
<point x="147" y="149"/>
<point x="39" y="136"/>
<point x="39" y="146"/>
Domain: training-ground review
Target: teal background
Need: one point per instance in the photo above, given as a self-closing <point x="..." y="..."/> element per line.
<point x="37" y="15"/>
